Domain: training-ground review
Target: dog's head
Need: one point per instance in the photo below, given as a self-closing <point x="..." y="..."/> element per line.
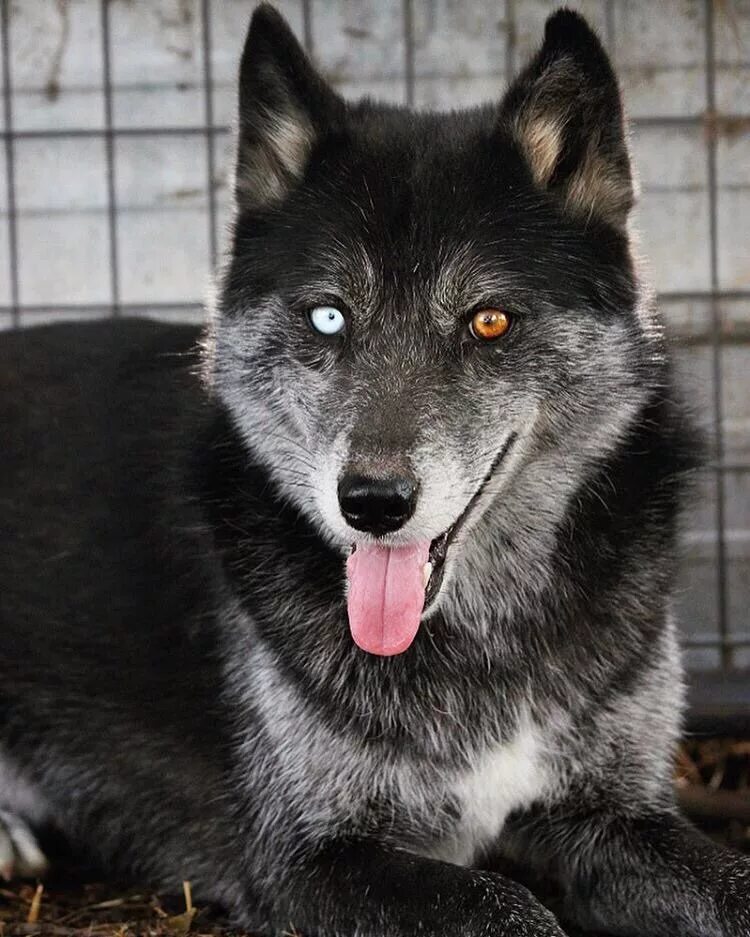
<point x="422" y="311"/>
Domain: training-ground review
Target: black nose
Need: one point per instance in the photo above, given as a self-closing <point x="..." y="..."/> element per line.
<point x="377" y="505"/>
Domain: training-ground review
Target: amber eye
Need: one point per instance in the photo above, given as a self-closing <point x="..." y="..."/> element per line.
<point x="489" y="324"/>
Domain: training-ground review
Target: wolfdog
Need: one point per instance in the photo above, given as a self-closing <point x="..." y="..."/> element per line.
<point x="370" y="595"/>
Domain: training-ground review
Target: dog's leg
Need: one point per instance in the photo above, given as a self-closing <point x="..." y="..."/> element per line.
<point x="20" y="855"/>
<point x="647" y="876"/>
<point x="368" y="890"/>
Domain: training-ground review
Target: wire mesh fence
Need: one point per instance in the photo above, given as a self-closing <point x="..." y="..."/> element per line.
<point x="116" y="123"/>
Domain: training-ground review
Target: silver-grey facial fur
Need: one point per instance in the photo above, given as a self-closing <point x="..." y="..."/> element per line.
<point x="179" y="691"/>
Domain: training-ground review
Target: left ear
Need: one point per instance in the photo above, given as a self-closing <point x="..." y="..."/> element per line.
<point x="564" y="112"/>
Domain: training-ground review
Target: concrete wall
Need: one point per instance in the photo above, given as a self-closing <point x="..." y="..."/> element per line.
<point x="691" y="138"/>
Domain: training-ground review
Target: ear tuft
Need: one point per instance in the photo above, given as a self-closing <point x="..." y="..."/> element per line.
<point x="284" y="105"/>
<point x="566" y="30"/>
<point x="565" y="113"/>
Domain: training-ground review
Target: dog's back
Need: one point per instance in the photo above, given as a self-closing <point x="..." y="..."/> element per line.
<point x="92" y="417"/>
<point x="108" y="664"/>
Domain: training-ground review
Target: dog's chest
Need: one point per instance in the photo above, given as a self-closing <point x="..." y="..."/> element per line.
<point x="504" y="778"/>
<point x="449" y="807"/>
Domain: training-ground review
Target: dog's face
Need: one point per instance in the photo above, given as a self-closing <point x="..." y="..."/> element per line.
<point x="419" y="307"/>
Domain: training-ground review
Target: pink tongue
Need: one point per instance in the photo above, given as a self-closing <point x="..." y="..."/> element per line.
<point x="386" y="596"/>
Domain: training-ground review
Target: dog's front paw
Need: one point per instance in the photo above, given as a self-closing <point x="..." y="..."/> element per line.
<point x="507" y="909"/>
<point x="733" y="899"/>
<point x="20" y="855"/>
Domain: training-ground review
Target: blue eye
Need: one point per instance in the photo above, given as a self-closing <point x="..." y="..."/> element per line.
<point x="328" y="320"/>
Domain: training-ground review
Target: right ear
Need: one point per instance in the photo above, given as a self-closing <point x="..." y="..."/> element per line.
<point x="284" y="104"/>
<point x="565" y="114"/>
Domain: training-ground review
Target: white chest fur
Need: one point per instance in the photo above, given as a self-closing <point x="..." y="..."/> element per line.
<point x="332" y="778"/>
<point x="503" y="779"/>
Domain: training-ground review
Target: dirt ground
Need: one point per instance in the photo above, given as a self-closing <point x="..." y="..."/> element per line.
<point x="713" y="784"/>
